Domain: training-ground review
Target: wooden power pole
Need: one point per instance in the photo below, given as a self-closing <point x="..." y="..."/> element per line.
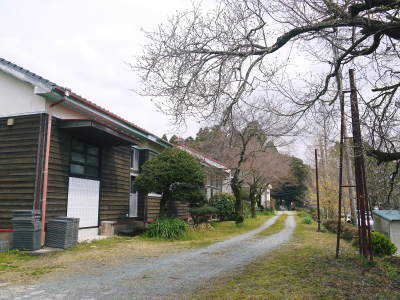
<point x="361" y="187"/>
<point x="317" y="187"/>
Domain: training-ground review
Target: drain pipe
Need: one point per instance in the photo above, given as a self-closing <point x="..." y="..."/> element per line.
<point x="46" y="168"/>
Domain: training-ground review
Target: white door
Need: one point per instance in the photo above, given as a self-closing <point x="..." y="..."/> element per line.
<point x="83" y="201"/>
<point x="133" y="200"/>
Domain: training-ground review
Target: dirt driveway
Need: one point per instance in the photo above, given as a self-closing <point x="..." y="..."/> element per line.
<point x="171" y="275"/>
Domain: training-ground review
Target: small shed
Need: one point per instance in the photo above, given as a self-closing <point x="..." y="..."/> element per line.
<point x="387" y="222"/>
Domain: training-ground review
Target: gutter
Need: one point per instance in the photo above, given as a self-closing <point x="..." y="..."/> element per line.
<point x="46" y="169"/>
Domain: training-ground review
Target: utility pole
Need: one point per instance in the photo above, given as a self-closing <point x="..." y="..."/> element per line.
<point x="349" y="173"/>
<point x="317" y="186"/>
<point x="339" y="226"/>
<point x="361" y="188"/>
<point x="346" y="142"/>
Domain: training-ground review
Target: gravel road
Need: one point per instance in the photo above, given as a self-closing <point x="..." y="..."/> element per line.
<point x="167" y="276"/>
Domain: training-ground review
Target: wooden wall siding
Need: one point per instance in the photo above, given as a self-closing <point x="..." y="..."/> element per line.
<point x="141" y="207"/>
<point x="115" y="182"/>
<point x="178" y="209"/>
<point x="18" y="155"/>
<point x="57" y="193"/>
<point x="153" y="207"/>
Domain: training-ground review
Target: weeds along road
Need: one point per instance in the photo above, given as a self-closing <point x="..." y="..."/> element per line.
<point x="169" y="276"/>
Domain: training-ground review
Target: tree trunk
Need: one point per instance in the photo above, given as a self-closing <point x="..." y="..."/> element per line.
<point x="163" y="205"/>
<point x="236" y="189"/>
<point x="258" y="200"/>
<point x="236" y="186"/>
<point x="252" y="197"/>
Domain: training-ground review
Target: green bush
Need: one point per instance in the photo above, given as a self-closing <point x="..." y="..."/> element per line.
<point x="246" y="209"/>
<point x="267" y="212"/>
<point x="381" y="245"/>
<point x="303" y="214"/>
<point x="200" y="214"/>
<point x="303" y="211"/>
<point x="165" y="228"/>
<point x="307" y="220"/>
<point x="203" y="210"/>
<point x="225" y="203"/>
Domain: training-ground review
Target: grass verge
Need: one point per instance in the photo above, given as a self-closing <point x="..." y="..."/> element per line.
<point x="17" y="267"/>
<point x="215" y="232"/>
<point x="276" y="227"/>
<point x="306" y="269"/>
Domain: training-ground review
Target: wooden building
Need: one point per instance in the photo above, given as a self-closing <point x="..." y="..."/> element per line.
<point x="218" y="175"/>
<point x="66" y="156"/>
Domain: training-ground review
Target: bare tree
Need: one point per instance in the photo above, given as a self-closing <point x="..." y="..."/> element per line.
<point x="263" y="168"/>
<point x="200" y="63"/>
<point x="241" y="144"/>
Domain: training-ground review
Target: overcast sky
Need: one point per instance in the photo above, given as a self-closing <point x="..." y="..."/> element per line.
<point x="85" y="45"/>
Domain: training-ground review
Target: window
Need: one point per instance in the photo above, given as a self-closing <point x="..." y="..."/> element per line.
<point x="152" y="154"/>
<point x="85" y="160"/>
<point x="219" y="183"/>
<point x="135" y="160"/>
<point x="133" y="200"/>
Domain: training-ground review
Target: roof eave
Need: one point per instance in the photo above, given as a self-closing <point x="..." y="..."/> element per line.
<point x="56" y="94"/>
<point x="40" y="87"/>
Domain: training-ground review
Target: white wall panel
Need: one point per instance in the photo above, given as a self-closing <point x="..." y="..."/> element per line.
<point x="83" y="201"/>
<point x="17" y="97"/>
<point x="133" y="205"/>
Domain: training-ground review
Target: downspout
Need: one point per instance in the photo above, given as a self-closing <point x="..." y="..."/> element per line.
<point x="46" y="168"/>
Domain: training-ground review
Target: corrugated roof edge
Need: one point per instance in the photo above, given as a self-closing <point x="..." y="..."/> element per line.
<point x="77" y="97"/>
<point x="203" y="154"/>
<point x="390" y="215"/>
<point x="26" y="72"/>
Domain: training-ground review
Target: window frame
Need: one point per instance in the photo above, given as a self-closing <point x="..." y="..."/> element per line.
<point x="85" y="164"/>
<point x="135" y="163"/>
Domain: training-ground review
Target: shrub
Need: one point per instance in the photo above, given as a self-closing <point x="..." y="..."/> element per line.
<point x="200" y="214"/>
<point x="175" y="174"/>
<point x="331" y="225"/>
<point x="381" y="245"/>
<point x="225" y="203"/>
<point x="349" y="232"/>
<point x="301" y="211"/>
<point x="303" y="214"/>
<point x="267" y="212"/>
<point x="307" y="220"/>
<point x="165" y="228"/>
<point x="246" y="209"/>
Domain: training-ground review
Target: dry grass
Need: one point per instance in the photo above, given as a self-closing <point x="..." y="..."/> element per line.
<point x="306" y="269"/>
<point x="16" y="267"/>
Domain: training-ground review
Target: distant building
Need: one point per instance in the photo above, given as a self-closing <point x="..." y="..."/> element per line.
<point x="387" y="222"/>
<point x="218" y="175"/>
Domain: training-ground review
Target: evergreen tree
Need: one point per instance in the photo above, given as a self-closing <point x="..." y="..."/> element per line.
<point x="174" y="174"/>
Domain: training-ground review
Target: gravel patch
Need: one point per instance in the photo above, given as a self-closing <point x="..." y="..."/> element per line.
<point x="168" y="276"/>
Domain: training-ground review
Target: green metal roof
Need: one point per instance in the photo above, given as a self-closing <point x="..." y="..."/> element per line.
<point x="390" y="215"/>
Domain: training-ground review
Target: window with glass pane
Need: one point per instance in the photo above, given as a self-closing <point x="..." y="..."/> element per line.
<point x="135" y="159"/>
<point x="85" y="159"/>
<point x="152" y="154"/>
